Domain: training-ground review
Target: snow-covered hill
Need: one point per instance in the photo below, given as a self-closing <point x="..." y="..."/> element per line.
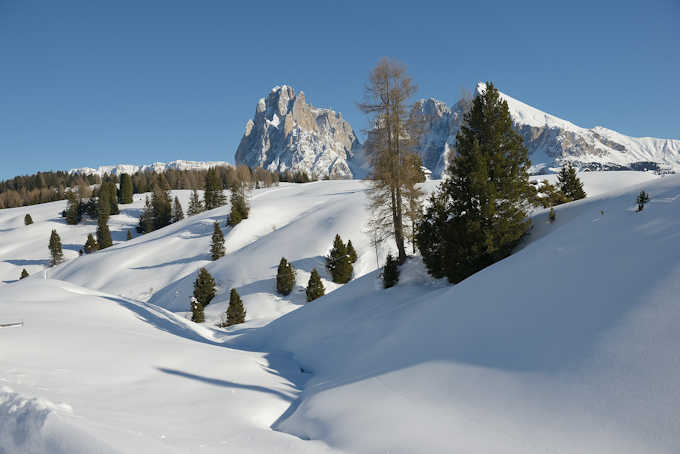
<point x="550" y="140"/>
<point x="156" y="167"/>
<point x="570" y="345"/>
<point x="286" y="133"/>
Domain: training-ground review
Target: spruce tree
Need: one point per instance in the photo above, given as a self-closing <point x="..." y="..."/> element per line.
<point x="351" y="253"/>
<point x="239" y="205"/>
<point x="570" y="185"/>
<point x="197" y="315"/>
<point x="338" y="262"/>
<point x="28" y="220"/>
<point x="90" y="245"/>
<point x="126" y="189"/>
<point x="204" y="287"/>
<point x="217" y="243"/>
<point x="56" y="253"/>
<point x="73" y="216"/>
<point x="195" y="204"/>
<point x="236" y="313"/>
<point x="24" y="274"/>
<point x="129" y="235"/>
<point x="145" y="224"/>
<point x="103" y="234"/>
<point x="213" y="195"/>
<point x="390" y="272"/>
<point x="641" y="200"/>
<point x="285" y="277"/>
<point x="161" y="208"/>
<point x="486" y="198"/>
<point x="315" y="288"/>
<point x="177" y="212"/>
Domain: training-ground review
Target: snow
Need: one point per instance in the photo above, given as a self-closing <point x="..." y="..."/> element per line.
<point x="570" y="345"/>
<point x="156" y="167"/>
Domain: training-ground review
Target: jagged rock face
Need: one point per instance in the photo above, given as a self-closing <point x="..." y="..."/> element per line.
<point x="286" y="133"/>
<point x="550" y="140"/>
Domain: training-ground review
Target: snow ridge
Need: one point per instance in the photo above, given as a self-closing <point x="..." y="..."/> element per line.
<point x="157" y="167"/>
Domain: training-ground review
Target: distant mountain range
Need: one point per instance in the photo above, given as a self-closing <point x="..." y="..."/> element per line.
<point x="287" y="133"/>
<point x="156" y="166"/>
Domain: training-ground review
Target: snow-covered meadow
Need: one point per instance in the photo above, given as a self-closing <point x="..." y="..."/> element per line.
<point x="569" y="346"/>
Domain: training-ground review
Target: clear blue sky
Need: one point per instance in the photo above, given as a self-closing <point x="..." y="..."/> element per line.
<point x="89" y="82"/>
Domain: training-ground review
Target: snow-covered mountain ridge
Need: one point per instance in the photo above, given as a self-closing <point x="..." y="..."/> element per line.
<point x="551" y="140"/>
<point x="155" y="167"/>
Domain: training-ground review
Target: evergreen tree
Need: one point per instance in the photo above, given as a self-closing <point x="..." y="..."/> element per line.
<point x="285" y="277"/>
<point x="161" y="208"/>
<point x="195" y="204"/>
<point x="197" y="315"/>
<point x="108" y="191"/>
<point x="73" y="215"/>
<point x="28" y="220"/>
<point x="145" y="224"/>
<point x="236" y="313"/>
<point x="103" y="205"/>
<point x="552" y="215"/>
<point x="239" y="205"/>
<point x="570" y="185"/>
<point x="204" y="287"/>
<point x="213" y="195"/>
<point x="552" y="196"/>
<point x="641" y="200"/>
<point x="481" y="210"/>
<point x="217" y="243"/>
<point x="390" y="272"/>
<point x="55" y="249"/>
<point x="129" y="235"/>
<point x="24" y="274"/>
<point x="90" y="245"/>
<point x="338" y="262"/>
<point x="103" y="234"/>
<point x="177" y="212"/>
<point x="351" y="253"/>
<point x="315" y="288"/>
<point x="126" y="189"/>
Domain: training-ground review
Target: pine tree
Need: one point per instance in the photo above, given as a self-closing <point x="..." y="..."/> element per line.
<point x="103" y="234"/>
<point x="73" y="216"/>
<point x="204" y="287"/>
<point x="236" y="313"/>
<point x="315" y="288"/>
<point x="197" y="315"/>
<point x="217" y="243"/>
<point x="285" y="277"/>
<point x="161" y="208"/>
<point x="390" y="272"/>
<point x="569" y="183"/>
<point x="239" y="205"/>
<point x="195" y="204"/>
<point x="485" y="201"/>
<point x="126" y="189"/>
<point x="351" y="253"/>
<point x="55" y="249"/>
<point x="24" y="274"/>
<point x="213" y="195"/>
<point x="129" y="235"/>
<point x="641" y="200"/>
<point x="145" y="224"/>
<point x="28" y="220"/>
<point x="90" y="245"/>
<point x="177" y="212"/>
<point x="338" y="262"/>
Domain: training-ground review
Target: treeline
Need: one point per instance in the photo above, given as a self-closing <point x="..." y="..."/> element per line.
<point x="45" y="187"/>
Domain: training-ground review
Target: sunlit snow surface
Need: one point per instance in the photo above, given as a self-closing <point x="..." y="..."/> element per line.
<point x="569" y="346"/>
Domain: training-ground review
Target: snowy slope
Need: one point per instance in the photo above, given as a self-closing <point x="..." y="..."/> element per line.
<point x="156" y="167"/>
<point x="549" y="350"/>
<point x="569" y="346"/>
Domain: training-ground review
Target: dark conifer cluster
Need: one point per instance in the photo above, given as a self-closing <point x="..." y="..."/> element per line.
<point x="390" y="272"/>
<point x="24" y="274"/>
<point x="642" y="200"/>
<point x="285" y="277"/>
<point x="236" y="313"/>
<point x="217" y="249"/>
<point x="339" y="263"/>
<point x="28" y="220"/>
<point x="56" y="253"/>
<point x="315" y="288"/>
<point x="480" y="212"/>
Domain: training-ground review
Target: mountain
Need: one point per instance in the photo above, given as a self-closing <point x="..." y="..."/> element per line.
<point x="156" y="167"/>
<point x="550" y="140"/>
<point x="286" y="133"/>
